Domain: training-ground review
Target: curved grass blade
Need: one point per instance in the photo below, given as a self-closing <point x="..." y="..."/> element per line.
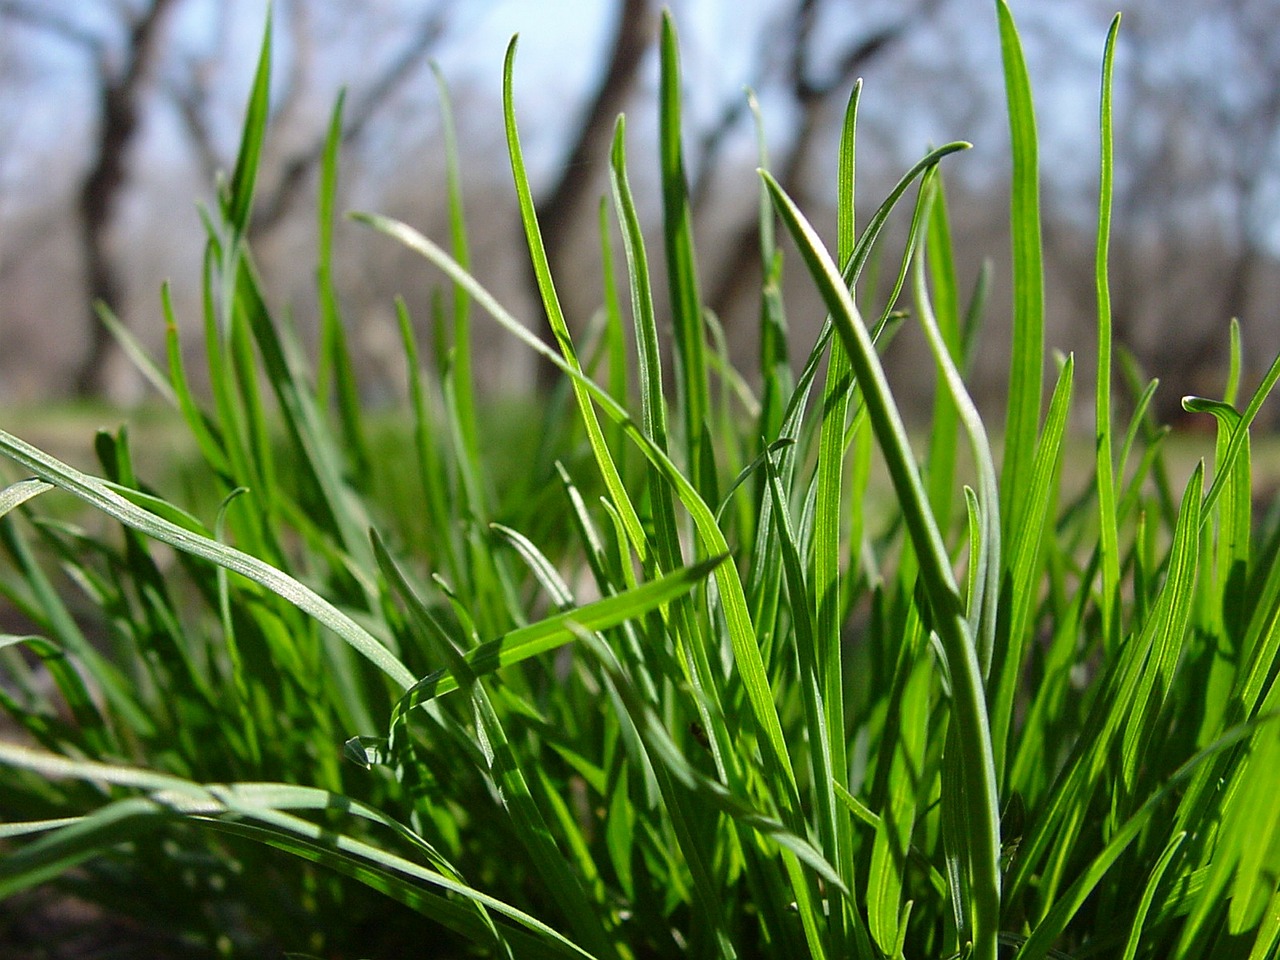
<point x="20" y="492"/>
<point x="99" y="495"/>
<point x="978" y="787"/>
<point x="554" y="631"/>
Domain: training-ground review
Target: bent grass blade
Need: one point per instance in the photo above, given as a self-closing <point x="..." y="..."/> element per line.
<point x="99" y="494"/>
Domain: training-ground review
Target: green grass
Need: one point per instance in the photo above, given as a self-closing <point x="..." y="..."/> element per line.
<point x="674" y="669"/>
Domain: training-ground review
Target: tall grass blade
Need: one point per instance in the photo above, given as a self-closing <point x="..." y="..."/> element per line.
<point x="555" y="315"/>
<point x="978" y="787"/>
<point x="1026" y="363"/>
<point x="237" y="198"/>
<point x="693" y="396"/>
<point x="1108" y="533"/>
<point x="335" y="367"/>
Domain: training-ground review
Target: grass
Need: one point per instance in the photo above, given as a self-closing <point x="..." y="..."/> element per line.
<point x="669" y="681"/>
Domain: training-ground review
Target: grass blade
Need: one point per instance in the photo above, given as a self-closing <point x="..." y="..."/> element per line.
<point x="100" y="496"/>
<point x="692" y="394"/>
<point x="1108" y="545"/>
<point x="978" y="789"/>
<point x="1027" y="361"/>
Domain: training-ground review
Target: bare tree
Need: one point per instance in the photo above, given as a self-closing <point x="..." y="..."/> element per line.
<point x="294" y="172"/>
<point x="1196" y="202"/>
<point x="131" y="55"/>
<point x="121" y="81"/>
<point x="811" y="90"/>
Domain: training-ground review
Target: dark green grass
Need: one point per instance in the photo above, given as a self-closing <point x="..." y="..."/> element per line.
<point x="678" y="669"/>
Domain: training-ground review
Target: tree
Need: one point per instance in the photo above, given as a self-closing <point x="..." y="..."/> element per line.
<point x="811" y="90"/>
<point x="135" y="62"/>
<point x="120" y="80"/>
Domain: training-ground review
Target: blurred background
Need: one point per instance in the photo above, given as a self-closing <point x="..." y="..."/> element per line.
<point x="117" y="115"/>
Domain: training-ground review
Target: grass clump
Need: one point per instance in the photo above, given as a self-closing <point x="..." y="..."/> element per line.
<point x="664" y="687"/>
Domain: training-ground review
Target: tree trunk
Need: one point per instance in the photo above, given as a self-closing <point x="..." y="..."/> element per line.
<point x="99" y="194"/>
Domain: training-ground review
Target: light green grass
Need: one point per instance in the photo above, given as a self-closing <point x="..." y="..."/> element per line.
<point x="689" y="673"/>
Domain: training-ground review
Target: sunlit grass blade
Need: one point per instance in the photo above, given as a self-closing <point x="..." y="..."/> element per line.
<point x="335" y="368"/>
<point x="100" y="496"/>
<point x="902" y="784"/>
<point x="692" y="392"/>
<point x="821" y="749"/>
<point x="1024" y="549"/>
<point x="237" y="196"/>
<point x="945" y="300"/>
<point x="556" y="630"/>
<point x="1251" y="832"/>
<point x="653" y="401"/>
<point x="986" y="548"/>
<point x="978" y="788"/>
<point x="662" y="493"/>
<point x="1239" y="436"/>
<point x="1027" y="360"/>
<point x="1108" y="533"/>
<point x="619" y="379"/>
<point x="823" y="675"/>
<point x="19" y="493"/>
<point x="1149" y="893"/>
<point x="555" y="314"/>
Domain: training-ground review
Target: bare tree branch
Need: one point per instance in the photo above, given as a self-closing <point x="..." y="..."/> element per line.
<point x="52" y="22"/>
<point x="297" y="171"/>
<point x="119" y="95"/>
<point x="118" y="101"/>
<point x="740" y="270"/>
